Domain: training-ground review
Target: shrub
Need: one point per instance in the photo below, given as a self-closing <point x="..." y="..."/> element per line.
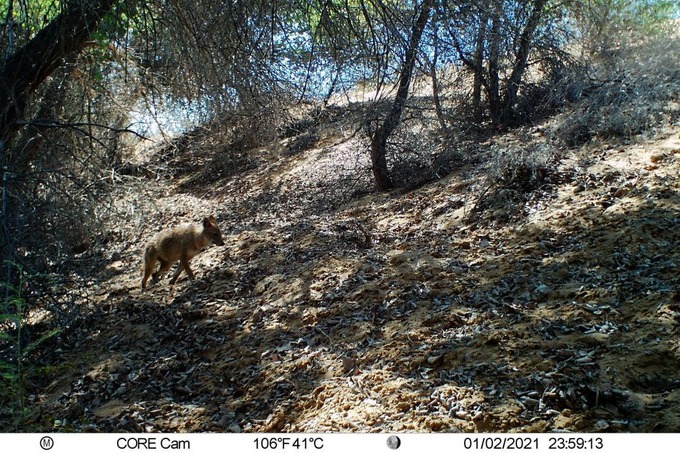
<point x="629" y="90"/>
<point x="16" y="365"/>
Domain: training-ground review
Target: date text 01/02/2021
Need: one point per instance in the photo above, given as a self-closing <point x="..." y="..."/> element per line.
<point x="532" y="443"/>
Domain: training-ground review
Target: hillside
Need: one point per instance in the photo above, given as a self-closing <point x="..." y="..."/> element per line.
<point x="463" y="304"/>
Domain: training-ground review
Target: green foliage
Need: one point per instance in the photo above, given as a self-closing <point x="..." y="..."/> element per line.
<point x="16" y="366"/>
<point x="28" y="17"/>
<point x="602" y="22"/>
<point x="648" y="16"/>
<point x="114" y="26"/>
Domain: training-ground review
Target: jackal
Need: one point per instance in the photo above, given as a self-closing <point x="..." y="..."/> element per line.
<point x="180" y="243"/>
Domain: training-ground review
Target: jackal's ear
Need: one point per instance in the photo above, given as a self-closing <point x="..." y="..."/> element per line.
<point x="209" y="221"/>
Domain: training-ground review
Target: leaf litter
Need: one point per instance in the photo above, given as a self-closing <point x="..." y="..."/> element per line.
<point x="334" y="309"/>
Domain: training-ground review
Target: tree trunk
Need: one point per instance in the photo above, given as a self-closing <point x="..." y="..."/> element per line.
<point x="493" y="93"/>
<point x="379" y="139"/>
<point x="435" y="84"/>
<point x="479" y="68"/>
<point x="521" y="59"/>
<point x="29" y="66"/>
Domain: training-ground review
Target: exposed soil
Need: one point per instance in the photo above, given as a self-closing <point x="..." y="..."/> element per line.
<point x="450" y="307"/>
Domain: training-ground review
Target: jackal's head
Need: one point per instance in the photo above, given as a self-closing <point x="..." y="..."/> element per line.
<point x="211" y="231"/>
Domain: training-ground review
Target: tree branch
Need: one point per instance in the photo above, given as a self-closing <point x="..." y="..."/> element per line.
<point x="52" y="124"/>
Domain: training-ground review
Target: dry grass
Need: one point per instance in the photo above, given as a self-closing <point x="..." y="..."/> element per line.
<point x="628" y="91"/>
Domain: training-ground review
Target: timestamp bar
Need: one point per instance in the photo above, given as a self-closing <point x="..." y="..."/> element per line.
<point x="331" y="443"/>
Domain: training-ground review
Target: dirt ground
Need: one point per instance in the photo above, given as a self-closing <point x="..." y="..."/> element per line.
<point x="331" y="309"/>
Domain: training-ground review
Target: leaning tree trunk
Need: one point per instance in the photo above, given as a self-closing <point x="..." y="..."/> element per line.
<point x="26" y="69"/>
<point x="379" y="139"/>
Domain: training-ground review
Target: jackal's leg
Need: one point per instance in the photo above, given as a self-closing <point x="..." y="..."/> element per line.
<point x="165" y="265"/>
<point x="150" y="258"/>
<point x="183" y="264"/>
<point x="148" y="268"/>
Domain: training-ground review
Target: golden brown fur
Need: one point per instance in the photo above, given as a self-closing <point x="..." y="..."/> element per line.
<point x="180" y="243"/>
